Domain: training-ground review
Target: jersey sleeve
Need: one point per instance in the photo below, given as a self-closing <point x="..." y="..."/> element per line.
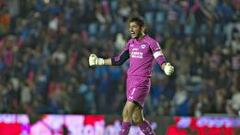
<point x="122" y="57"/>
<point x="155" y="46"/>
<point x="157" y="52"/>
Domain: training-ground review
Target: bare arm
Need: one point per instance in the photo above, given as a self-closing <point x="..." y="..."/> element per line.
<point x="108" y="61"/>
<point x="163" y="65"/>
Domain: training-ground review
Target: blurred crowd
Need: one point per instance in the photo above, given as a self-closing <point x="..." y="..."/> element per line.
<point x="45" y="44"/>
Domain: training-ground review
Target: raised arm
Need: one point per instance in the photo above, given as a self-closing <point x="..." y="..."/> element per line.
<point x="115" y="61"/>
<point x="121" y="58"/>
<point x="94" y="61"/>
<point x="160" y="58"/>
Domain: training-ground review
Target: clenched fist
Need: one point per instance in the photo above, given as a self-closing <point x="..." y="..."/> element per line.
<point x="168" y="69"/>
<point x="94" y="60"/>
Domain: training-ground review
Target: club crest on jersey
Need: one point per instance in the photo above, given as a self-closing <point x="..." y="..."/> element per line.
<point x="143" y="46"/>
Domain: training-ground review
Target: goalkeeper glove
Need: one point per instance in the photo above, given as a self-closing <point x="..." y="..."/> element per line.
<point x="168" y="69"/>
<point x="94" y="60"/>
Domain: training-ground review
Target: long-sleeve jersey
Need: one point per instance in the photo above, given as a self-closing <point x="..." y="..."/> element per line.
<point x="141" y="54"/>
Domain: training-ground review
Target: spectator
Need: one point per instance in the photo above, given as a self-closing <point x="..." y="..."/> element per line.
<point x="44" y="51"/>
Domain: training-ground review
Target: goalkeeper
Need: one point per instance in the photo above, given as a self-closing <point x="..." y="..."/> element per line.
<point x="141" y="50"/>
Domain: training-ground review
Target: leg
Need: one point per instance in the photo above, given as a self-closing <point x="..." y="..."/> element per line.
<point x="127" y="117"/>
<point x="138" y="119"/>
<point x="137" y="116"/>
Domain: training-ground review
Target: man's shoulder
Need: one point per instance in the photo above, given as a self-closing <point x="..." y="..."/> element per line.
<point x="130" y="41"/>
<point x="150" y="40"/>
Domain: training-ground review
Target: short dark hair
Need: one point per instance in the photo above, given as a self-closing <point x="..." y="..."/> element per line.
<point x="138" y="19"/>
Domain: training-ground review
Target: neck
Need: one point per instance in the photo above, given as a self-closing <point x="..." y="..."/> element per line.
<point x="140" y="36"/>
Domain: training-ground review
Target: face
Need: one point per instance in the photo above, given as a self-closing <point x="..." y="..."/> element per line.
<point x="135" y="30"/>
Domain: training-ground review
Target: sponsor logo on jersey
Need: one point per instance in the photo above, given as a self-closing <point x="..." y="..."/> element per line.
<point x="135" y="49"/>
<point x="143" y="46"/>
<point x="137" y="55"/>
